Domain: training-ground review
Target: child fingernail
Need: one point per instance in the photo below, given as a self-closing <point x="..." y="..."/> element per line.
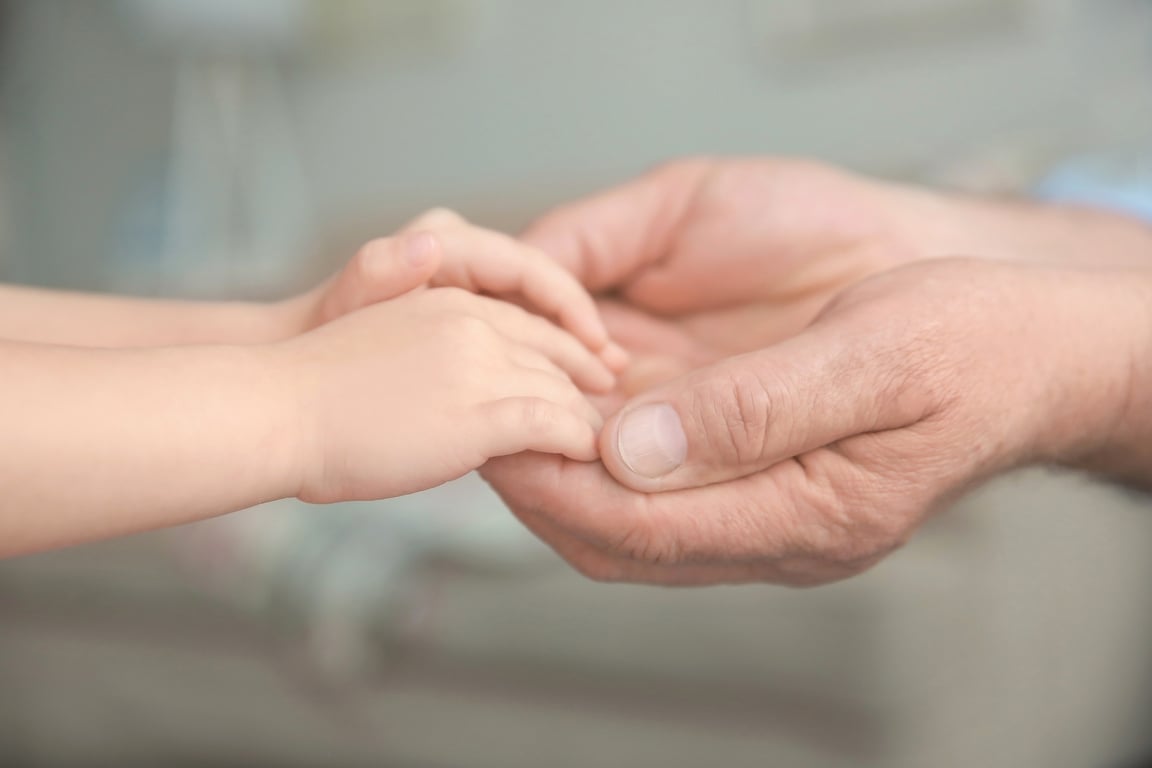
<point x="419" y="248"/>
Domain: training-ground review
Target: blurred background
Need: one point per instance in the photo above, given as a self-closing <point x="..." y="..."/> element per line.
<point x="233" y="148"/>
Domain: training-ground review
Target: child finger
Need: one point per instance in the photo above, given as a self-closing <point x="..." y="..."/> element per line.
<point x="386" y="268"/>
<point x="539" y="377"/>
<point x="559" y="346"/>
<point x="481" y="260"/>
<point x="517" y="424"/>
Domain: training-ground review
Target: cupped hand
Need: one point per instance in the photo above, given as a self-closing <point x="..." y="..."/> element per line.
<point x="809" y="460"/>
<point x="705" y="258"/>
<point x="794" y="420"/>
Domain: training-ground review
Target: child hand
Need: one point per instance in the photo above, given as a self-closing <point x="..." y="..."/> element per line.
<point x="407" y="394"/>
<point x="441" y="249"/>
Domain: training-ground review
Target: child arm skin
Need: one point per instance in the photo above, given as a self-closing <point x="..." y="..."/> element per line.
<point x="398" y="397"/>
<point x="437" y="249"/>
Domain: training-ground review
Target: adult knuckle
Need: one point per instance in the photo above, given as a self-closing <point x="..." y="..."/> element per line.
<point x="646" y="544"/>
<point x="739" y="407"/>
<point x="912" y="370"/>
<point x="923" y="379"/>
<point x="842" y="516"/>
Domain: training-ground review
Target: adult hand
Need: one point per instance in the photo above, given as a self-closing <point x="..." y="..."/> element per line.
<point x="810" y="458"/>
<point x="702" y="259"/>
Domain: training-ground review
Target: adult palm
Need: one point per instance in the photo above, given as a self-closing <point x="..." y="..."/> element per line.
<point x="703" y="259"/>
<point x="822" y="398"/>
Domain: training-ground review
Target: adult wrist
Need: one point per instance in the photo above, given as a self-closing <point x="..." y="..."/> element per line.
<point x="1062" y="234"/>
<point x="1110" y="365"/>
<point x="1020" y="230"/>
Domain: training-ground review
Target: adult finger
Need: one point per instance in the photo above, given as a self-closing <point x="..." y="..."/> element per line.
<point x="774" y="526"/>
<point x="607" y="239"/>
<point x="747" y="413"/>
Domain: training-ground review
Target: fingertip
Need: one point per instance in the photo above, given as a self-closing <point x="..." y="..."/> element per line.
<point x="606" y="405"/>
<point x="594" y="417"/>
<point x="586" y="325"/>
<point x="599" y="379"/>
<point x="590" y="330"/>
<point x="586" y="447"/>
<point x="587" y="458"/>
<point x="588" y="451"/>
<point x="615" y="357"/>
<point x="644" y="444"/>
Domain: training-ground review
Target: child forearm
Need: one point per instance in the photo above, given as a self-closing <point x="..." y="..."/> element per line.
<point x="90" y="320"/>
<point x="95" y="442"/>
<point x="119" y="415"/>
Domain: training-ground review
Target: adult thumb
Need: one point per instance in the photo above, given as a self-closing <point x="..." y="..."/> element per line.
<point x="747" y="413"/>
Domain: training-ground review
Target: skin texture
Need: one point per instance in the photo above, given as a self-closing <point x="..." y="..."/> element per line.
<point x="437" y="249"/>
<point x="410" y="393"/>
<point x="350" y="398"/>
<point x="834" y="377"/>
<point x="441" y="249"/>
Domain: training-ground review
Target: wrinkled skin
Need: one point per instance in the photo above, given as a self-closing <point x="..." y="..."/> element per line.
<point x="835" y="380"/>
